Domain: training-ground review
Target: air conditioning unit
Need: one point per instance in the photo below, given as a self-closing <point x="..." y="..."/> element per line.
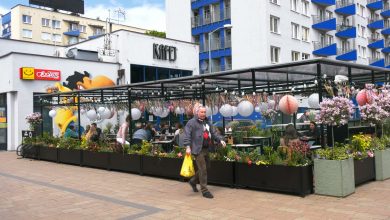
<point x="72" y="53"/>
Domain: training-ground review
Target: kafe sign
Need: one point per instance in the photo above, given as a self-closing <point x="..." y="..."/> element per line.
<point x="30" y="73"/>
<point x="164" y="52"/>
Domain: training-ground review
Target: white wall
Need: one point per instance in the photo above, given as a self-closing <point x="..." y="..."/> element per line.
<point x="20" y="102"/>
<point x="7" y="46"/>
<point x="178" y="19"/>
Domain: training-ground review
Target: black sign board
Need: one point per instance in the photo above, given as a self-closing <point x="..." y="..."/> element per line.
<point x="75" y="6"/>
<point x="28" y="134"/>
<point x="164" y="52"/>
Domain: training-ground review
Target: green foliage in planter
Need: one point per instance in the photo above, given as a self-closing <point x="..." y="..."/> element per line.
<point x="361" y="146"/>
<point x="238" y="136"/>
<point x="254" y="131"/>
<point x="275" y="137"/>
<point x="107" y="129"/>
<point x="47" y="139"/>
<point x="69" y="143"/>
<point x="221" y="153"/>
<point x="339" y="152"/>
<point x="146" y="148"/>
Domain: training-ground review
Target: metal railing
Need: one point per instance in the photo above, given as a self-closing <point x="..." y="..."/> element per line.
<point x="318" y="45"/>
<point x="386" y="7"/>
<point x="372" y="1"/>
<point x="215" y="16"/>
<point x="195" y="21"/>
<point x="343" y="3"/>
<point x="374" y="59"/>
<point x="227" y="66"/>
<point x="371" y="20"/>
<point x="387" y="43"/>
<point x="227" y="13"/>
<point x="373" y="39"/>
<point x="215" y="44"/>
<point x="344" y="50"/>
<point x="318" y="19"/>
<point x="342" y="27"/>
<point x="228" y="43"/>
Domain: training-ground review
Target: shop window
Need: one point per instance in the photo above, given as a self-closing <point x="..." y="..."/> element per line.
<point x="137" y="73"/>
<point x="163" y="73"/>
<point x="150" y="74"/>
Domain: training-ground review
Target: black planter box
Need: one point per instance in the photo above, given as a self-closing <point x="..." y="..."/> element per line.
<point x="288" y="179"/>
<point x="364" y="170"/>
<point x="47" y="153"/>
<point x="162" y="166"/>
<point x="221" y="173"/>
<point x="125" y="162"/>
<point x="95" y="159"/>
<point x="30" y="151"/>
<point x="69" y="156"/>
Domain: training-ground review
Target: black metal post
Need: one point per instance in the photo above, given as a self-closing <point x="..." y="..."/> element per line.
<point x="350" y="75"/>
<point x="203" y="93"/>
<point x="130" y="122"/>
<point x="372" y="76"/>
<point x="253" y="80"/>
<point x="41" y="109"/>
<point x="79" y="115"/>
<point x="319" y="90"/>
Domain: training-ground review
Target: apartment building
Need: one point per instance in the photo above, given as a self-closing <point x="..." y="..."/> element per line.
<point x="234" y="34"/>
<point x="52" y="27"/>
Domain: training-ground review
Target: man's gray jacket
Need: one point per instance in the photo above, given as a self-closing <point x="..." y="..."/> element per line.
<point x="194" y="135"/>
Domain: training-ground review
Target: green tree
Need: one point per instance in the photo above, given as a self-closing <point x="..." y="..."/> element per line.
<point x="156" y="33"/>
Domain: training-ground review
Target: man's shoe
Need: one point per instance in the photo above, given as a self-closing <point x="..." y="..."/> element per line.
<point x="208" y="195"/>
<point x="193" y="185"/>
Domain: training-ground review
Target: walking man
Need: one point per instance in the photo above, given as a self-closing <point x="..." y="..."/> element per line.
<point x="198" y="138"/>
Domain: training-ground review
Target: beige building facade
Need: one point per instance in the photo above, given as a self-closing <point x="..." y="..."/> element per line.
<point x="52" y="27"/>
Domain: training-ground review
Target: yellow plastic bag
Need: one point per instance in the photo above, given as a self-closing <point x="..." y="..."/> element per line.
<point x="187" y="169"/>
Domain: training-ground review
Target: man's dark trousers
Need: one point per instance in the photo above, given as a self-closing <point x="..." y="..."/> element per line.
<point x="202" y="164"/>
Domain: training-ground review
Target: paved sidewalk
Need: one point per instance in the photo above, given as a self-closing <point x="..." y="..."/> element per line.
<point x="31" y="189"/>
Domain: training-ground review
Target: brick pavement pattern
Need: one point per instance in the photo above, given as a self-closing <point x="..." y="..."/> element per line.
<point x="31" y="189"/>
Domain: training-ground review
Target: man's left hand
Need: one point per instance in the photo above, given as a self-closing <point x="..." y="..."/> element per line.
<point x="223" y="143"/>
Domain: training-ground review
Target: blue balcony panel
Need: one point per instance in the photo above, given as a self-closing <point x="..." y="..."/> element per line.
<point x="349" y="56"/>
<point x="377" y="44"/>
<point x="388" y="66"/>
<point x="376" y="5"/>
<point x="6" y="35"/>
<point x="95" y="36"/>
<point x="378" y="63"/>
<point x="386" y="49"/>
<point x="346" y="10"/>
<point x="201" y="3"/>
<point x="386" y="31"/>
<point x="215" y="54"/>
<point x="328" y="25"/>
<point x="209" y="27"/>
<point x="6" y="18"/>
<point x="347" y="33"/>
<point x="386" y="12"/>
<point x="324" y="2"/>
<point x="73" y="33"/>
<point x="376" y="24"/>
<point x="327" y="50"/>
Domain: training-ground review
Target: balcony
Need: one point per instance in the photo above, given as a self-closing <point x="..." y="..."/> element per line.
<point x="376" y="43"/>
<point x="379" y="62"/>
<point x="228" y="43"/>
<point x="73" y="33"/>
<point x="386" y="29"/>
<point x="227" y="66"/>
<point x="386" y="11"/>
<point x="374" y="4"/>
<point x="386" y="48"/>
<point x="375" y="24"/>
<point x="324" y="49"/>
<point x="345" y="7"/>
<point x="324" y="2"/>
<point x="344" y="31"/>
<point x="196" y="21"/>
<point x="227" y="13"/>
<point x="324" y="23"/>
<point x="216" y="44"/>
<point x="349" y="54"/>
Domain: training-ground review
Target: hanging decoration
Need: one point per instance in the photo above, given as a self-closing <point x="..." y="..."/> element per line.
<point x="314" y="100"/>
<point x="288" y="104"/>
<point x="245" y="108"/>
<point x="52" y="113"/>
<point x="226" y="110"/>
<point x="135" y="114"/>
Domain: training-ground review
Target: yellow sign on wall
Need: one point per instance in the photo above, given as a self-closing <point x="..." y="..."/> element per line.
<point x="27" y="73"/>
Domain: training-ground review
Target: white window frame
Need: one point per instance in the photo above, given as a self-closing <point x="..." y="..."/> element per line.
<point x="364" y="52"/>
<point x="26" y="33"/>
<point x="294" y="31"/>
<point x="55" y="39"/>
<point x="275" y="54"/>
<point x="305" y="7"/>
<point x="54" y="24"/>
<point x="27" y="19"/>
<point x="305" y="34"/>
<point x="45" y="22"/>
<point x="294" y="5"/>
<point x="46" y="36"/>
<point x="305" y="56"/>
<point x="274" y="24"/>
<point x="295" y="55"/>
<point x="83" y="28"/>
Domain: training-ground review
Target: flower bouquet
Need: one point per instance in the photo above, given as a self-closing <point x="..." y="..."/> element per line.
<point x="34" y="119"/>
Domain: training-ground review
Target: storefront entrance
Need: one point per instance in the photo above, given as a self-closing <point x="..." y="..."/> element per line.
<point x="3" y="121"/>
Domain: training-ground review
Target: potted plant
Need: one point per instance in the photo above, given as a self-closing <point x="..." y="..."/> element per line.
<point x="69" y="151"/>
<point x="381" y="148"/>
<point x="96" y="155"/>
<point x="47" y="147"/>
<point x="221" y="168"/>
<point x="334" y="172"/>
<point x="129" y="160"/>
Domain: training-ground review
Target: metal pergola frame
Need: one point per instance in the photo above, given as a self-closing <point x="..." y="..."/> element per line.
<point x="306" y="76"/>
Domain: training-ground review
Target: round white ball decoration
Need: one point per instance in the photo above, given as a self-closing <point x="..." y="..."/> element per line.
<point x="257" y="108"/>
<point x="314" y="100"/>
<point x="135" y="114"/>
<point x="235" y="111"/>
<point x="179" y="110"/>
<point x="226" y="110"/>
<point x="120" y="112"/>
<point x="164" y="113"/>
<point x="271" y="103"/>
<point x="82" y="111"/>
<point x="52" y="113"/>
<point x="91" y="115"/>
<point x="245" y="108"/>
<point x="157" y="111"/>
<point x="101" y="109"/>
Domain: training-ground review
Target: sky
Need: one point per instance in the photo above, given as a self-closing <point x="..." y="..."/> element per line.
<point x="149" y="14"/>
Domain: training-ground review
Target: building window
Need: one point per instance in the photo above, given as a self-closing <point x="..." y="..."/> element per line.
<point x="305" y="34"/>
<point x="305" y="7"/>
<point x="364" y="54"/>
<point x="82" y="39"/>
<point x="98" y="31"/>
<point x="27" y="33"/>
<point x="57" y="38"/>
<point x="329" y="39"/>
<point x="274" y="22"/>
<point x="275" y="54"/>
<point x="276" y="2"/>
<point x="294" y="31"/>
<point x="45" y="22"/>
<point x="295" y="55"/>
<point x="56" y="24"/>
<point x="73" y="27"/>
<point x="83" y="28"/>
<point x="46" y="36"/>
<point x="26" y="19"/>
<point x="73" y="40"/>
<point x="294" y="5"/>
<point x="305" y="56"/>
<point x="361" y="11"/>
